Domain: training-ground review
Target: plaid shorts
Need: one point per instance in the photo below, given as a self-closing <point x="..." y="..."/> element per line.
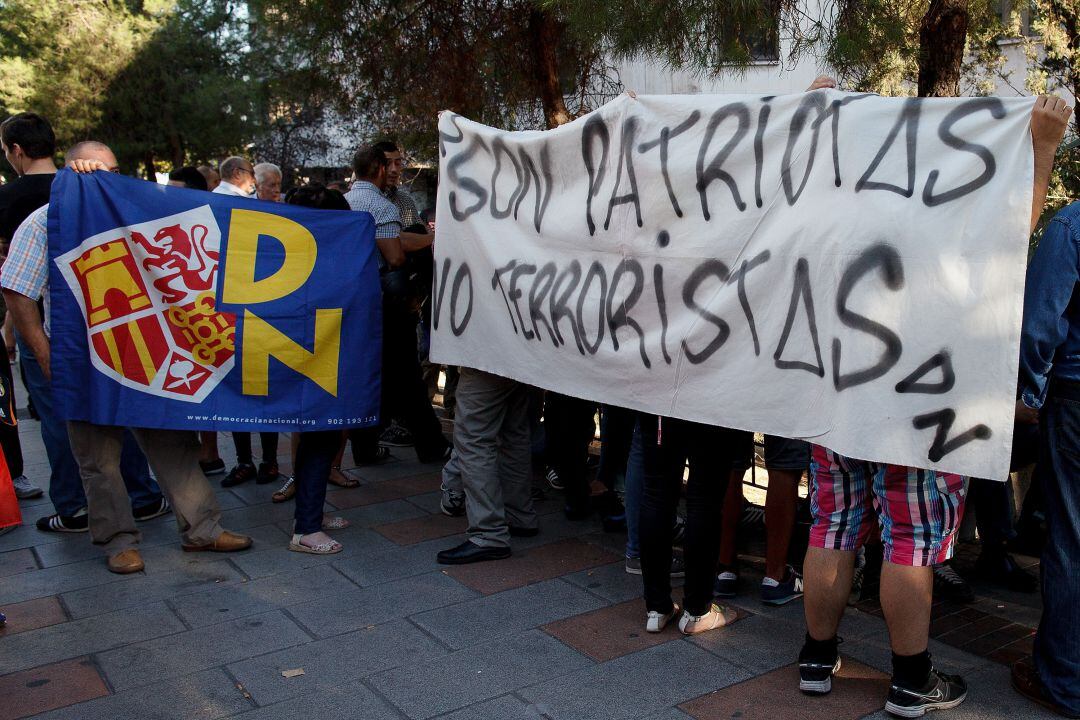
<point x="919" y="511"/>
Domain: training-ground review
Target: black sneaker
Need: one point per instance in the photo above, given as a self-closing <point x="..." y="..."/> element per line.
<point x="268" y="473"/>
<point x="239" y="474"/>
<point x="815" y="674"/>
<point x="790" y="589"/>
<point x="941" y="692"/>
<point x="153" y="510"/>
<point x="64" y="523"/>
<point x="553" y="479"/>
<point x="396" y="436"/>
<point x="727" y="583"/>
<point x="950" y="586"/>
<point x="212" y="467"/>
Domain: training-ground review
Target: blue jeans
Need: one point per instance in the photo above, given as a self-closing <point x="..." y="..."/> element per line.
<point x="65" y="482"/>
<point x="314" y="456"/>
<point x="1057" y="643"/>
<point x="635" y="486"/>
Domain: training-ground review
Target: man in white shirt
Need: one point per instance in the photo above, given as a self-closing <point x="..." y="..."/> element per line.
<point x="237" y="178"/>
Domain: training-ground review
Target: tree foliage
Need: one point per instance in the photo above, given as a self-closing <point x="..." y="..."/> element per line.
<point x="155" y="79"/>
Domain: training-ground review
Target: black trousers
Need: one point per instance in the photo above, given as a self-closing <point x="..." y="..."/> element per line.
<point x="668" y="444"/>
<point x="404" y="394"/>
<point x="242" y="441"/>
<point x="568" y="430"/>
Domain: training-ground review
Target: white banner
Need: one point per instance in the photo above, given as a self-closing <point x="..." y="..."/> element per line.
<point x="843" y="268"/>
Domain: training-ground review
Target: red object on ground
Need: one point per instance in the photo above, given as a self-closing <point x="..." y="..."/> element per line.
<point x="9" y="504"/>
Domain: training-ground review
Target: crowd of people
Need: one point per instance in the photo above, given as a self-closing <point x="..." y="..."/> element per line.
<point x="883" y="528"/>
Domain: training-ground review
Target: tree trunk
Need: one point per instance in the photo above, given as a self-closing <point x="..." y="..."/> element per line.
<point x="546" y="33"/>
<point x="149" y="167"/>
<point x="942" y="37"/>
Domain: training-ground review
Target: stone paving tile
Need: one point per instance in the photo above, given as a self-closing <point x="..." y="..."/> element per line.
<point x="393" y="600"/>
<point x="32" y="614"/>
<point x="26" y="536"/>
<point x="14" y="562"/>
<point x="83" y="637"/>
<point x="759" y="643"/>
<point x="204" y="695"/>
<point x="367" y="516"/>
<point x="530" y="566"/>
<point x="49" y="687"/>
<point x="397" y="562"/>
<point x="372" y="493"/>
<point x="610" y="582"/>
<point x="251" y="516"/>
<point x="1014" y="651"/>
<point x="348" y="701"/>
<point x="610" y="632"/>
<point x="987" y="644"/>
<point x="51" y="581"/>
<point x="146" y="588"/>
<point x="429" y="502"/>
<point x="506" y="707"/>
<point x="239" y="599"/>
<point x="336" y="661"/>
<point x="268" y="558"/>
<point x="429" y="527"/>
<point x="403" y="463"/>
<point x="484" y="619"/>
<point x="145" y="662"/>
<point x="875" y="652"/>
<point x="857" y="690"/>
<point x="634" y="685"/>
<point x="477" y="673"/>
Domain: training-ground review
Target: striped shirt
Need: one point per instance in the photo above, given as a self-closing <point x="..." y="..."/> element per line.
<point x="26" y="270"/>
<point x="365" y="197"/>
<point x="405" y="204"/>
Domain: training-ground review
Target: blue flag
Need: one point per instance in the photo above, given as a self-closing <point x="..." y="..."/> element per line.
<point x="177" y="308"/>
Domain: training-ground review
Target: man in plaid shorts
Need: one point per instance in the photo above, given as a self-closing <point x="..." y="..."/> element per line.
<point x="918" y="512"/>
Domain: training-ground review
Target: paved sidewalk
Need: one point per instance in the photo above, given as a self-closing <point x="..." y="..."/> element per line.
<point x="382" y="631"/>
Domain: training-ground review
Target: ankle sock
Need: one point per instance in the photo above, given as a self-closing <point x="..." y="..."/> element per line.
<point x="819" y="650"/>
<point x="912" y="671"/>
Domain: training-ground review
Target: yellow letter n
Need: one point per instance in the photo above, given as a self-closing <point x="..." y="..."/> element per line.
<point x="263" y="341"/>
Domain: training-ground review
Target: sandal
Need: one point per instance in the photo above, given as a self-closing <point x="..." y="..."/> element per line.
<point x="321" y="549"/>
<point x="337" y="477"/>
<point x="334" y="523"/>
<point x="287" y="491"/>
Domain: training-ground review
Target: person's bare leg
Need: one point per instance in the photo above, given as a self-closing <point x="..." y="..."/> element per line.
<point x="208" y="450"/>
<point x="827" y="578"/>
<point x="906" y="597"/>
<point x="780" y="502"/>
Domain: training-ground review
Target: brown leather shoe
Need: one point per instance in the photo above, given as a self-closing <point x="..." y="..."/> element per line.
<point x="225" y="542"/>
<point x="1026" y="681"/>
<point x="126" y="562"/>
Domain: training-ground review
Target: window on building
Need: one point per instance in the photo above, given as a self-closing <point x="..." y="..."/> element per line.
<point x="761" y="42"/>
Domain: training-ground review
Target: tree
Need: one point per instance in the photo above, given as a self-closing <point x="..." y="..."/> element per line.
<point x="156" y="79"/>
<point x="510" y="64"/>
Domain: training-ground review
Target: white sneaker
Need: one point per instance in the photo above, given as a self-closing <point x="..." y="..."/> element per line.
<point x="714" y="618"/>
<point x="24" y="489"/>
<point x="655" y="621"/>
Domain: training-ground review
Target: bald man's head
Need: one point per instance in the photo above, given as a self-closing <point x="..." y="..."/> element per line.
<point x="92" y="150"/>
